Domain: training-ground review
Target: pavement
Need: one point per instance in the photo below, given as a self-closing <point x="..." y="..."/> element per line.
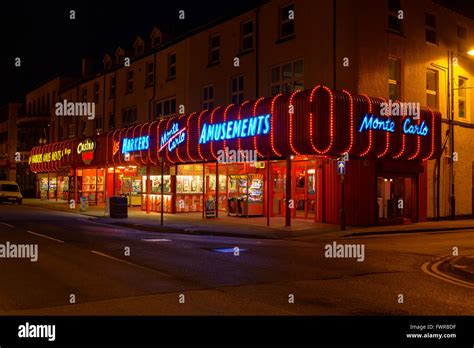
<point x="254" y="227"/>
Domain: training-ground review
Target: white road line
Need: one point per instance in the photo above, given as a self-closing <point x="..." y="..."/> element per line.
<point x="130" y="263"/>
<point x="3" y="223"/>
<point x="156" y="240"/>
<point x="42" y="235"/>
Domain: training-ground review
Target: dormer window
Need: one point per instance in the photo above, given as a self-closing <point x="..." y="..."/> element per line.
<point x="119" y="55"/>
<point x="156" y="41"/>
<point x="139" y="50"/>
<point x="139" y="46"/>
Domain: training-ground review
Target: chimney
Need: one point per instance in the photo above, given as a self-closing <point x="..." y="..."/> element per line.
<point x="86" y="66"/>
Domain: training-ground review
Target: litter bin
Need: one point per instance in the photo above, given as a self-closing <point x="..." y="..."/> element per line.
<point x="118" y="207"/>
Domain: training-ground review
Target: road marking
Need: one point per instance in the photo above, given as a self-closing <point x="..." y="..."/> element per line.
<point x="42" y="235"/>
<point x="434" y="272"/>
<point x="130" y="263"/>
<point x="3" y="223"/>
<point x="156" y="240"/>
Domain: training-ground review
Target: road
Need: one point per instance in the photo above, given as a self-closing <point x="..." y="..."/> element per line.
<point x="113" y="270"/>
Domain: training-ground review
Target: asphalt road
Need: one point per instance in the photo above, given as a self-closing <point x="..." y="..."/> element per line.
<point x="89" y="260"/>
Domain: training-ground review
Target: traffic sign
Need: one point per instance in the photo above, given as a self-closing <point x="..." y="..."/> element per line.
<point x="341" y="167"/>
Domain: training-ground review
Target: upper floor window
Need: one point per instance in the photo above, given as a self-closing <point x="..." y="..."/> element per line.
<point x="150" y="74"/>
<point x="288" y="77"/>
<point x="156" y="41"/>
<point x="208" y="97"/>
<point x="237" y="90"/>
<point x="394" y="12"/>
<point x="111" y="121"/>
<point x="96" y="92"/>
<point x="171" y="65"/>
<point x="462" y="86"/>
<point x="72" y="130"/>
<point x="99" y="124"/>
<point x="112" y="87"/>
<point x="246" y="36"/>
<point x="287" y="23"/>
<point x="129" y="115"/>
<point x="430" y="28"/>
<point x="214" y="49"/>
<point x="129" y="87"/>
<point x="394" y="84"/>
<point x="165" y="108"/>
<point x="432" y="88"/>
<point x="139" y="49"/>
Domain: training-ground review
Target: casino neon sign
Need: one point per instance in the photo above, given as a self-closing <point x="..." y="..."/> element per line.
<point x="245" y="127"/>
<point x="135" y="144"/>
<point x="372" y="122"/>
<point x="172" y="137"/>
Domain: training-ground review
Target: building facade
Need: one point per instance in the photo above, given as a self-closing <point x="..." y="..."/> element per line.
<point x="398" y="50"/>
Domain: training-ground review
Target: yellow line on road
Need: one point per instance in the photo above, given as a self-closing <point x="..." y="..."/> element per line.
<point x="130" y="263"/>
<point x="42" y="235"/>
<point x="434" y="272"/>
<point x="3" y="223"/>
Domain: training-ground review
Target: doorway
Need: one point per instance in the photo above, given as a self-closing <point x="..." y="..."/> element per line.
<point x="395" y="199"/>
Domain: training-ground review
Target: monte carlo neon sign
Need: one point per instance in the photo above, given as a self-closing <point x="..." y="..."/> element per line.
<point x="372" y="122"/>
<point x="172" y="137"/>
<point x="245" y="127"/>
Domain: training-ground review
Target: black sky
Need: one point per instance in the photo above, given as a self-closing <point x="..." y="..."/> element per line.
<point x="48" y="42"/>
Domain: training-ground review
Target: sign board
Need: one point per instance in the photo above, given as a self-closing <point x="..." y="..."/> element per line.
<point x="210" y="208"/>
<point x="341" y="167"/>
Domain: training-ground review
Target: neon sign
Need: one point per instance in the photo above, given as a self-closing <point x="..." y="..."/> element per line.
<point x="246" y="127"/>
<point x="172" y="137"/>
<point x="135" y="144"/>
<point x="372" y="122"/>
<point x="49" y="156"/>
<point x="86" y="150"/>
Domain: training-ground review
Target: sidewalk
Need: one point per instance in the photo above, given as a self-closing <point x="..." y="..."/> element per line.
<point x="254" y="227"/>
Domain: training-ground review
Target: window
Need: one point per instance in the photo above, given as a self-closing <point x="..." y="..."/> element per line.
<point x="111" y="121"/>
<point x="246" y="36"/>
<point x="172" y="65"/>
<point x="112" y="87"/>
<point x="287" y="24"/>
<point x="96" y="92"/>
<point x="462" y="36"/>
<point x="129" y="115"/>
<point x="208" y="97"/>
<point x="237" y="90"/>
<point x="150" y="74"/>
<point x="84" y="94"/>
<point x="287" y="77"/>
<point x="99" y="124"/>
<point x="462" y="85"/>
<point x="394" y="23"/>
<point x="139" y="50"/>
<point x="165" y="108"/>
<point x="129" y="81"/>
<point x="72" y="130"/>
<point x="430" y="28"/>
<point x="432" y="88"/>
<point x="156" y="41"/>
<point x="214" y="49"/>
<point x="394" y="67"/>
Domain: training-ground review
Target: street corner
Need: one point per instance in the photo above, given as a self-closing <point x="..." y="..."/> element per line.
<point x="463" y="266"/>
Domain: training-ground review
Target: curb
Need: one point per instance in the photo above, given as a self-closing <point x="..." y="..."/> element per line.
<point x="461" y="272"/>
<point x="420" y="230"/>
<point x="165" y="229"/>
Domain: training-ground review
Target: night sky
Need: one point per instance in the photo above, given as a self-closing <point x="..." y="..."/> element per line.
<point x="48" y="42"/>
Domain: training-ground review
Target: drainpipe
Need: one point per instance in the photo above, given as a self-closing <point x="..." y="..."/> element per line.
<point x="451" y="133"/>
<point x="154" y="87"/>
<point x="257" y="29"/>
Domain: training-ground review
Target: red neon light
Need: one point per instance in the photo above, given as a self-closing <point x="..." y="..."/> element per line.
<point x="172" y="137"/>
<point x="166" y="152"/>
<point x="351" y="116"/>
<point x="225" y="119"/>
<point x="212" y="122"/>
<point x="402" y="151"/>
<point x="177" y="147"/>
<point x="199" y="133"/>
<point x="291" y="112"/>
<point x="158" y="134"/>
<point x="331" y="120"/>
<point x="432" y="135"/>
<point x="387" y="138"/>
<point x="187" y="138"/>
<point x="254" y="113"/>
<point x="369" y="147"/>
<point x="272" y="126"/>
<point x="418" y="142"/>
<point x="141" y="151"/>
<point x="149" y="147"/>
<point x="239" y="115"/>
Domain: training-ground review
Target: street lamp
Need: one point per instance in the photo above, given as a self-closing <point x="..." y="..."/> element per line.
<point x="471" y="52"/>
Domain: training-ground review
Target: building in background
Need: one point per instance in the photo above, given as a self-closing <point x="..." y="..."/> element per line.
<point x="8" y="141"/>
<point x="395" y="49"/>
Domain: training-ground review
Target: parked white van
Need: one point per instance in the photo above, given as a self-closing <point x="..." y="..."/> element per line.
<point x="10" y="192"/>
